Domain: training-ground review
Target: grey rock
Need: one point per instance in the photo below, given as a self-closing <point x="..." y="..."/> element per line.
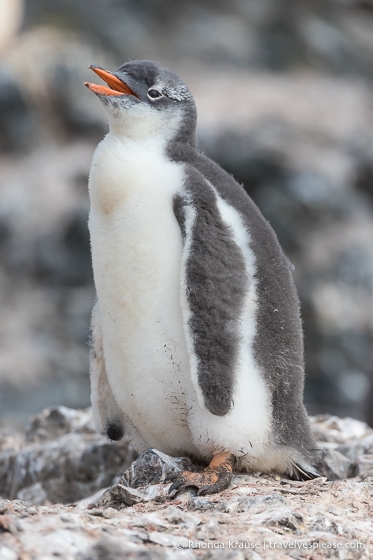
<point x="176" y="516"/>
<point x="33" y="494"/>
<point x="142" y="482"/>
<point x="278" y="510"/>
<point x="62" y="460"/>
<point x="284" y="520"/>
<point x="275" y="35"/>
<point x="347" y="447"/>
<point x="364" y="466"/>
<point x="152" y="467"/>
<point x="119" y="496"/>
<point x="7" y="553"/>
<point x="224" y="555"/>
<point x="108" y="549"/>
<point x="56" y="421"/>
<point x="203" y="504"/>
<point x="17" y="118"/>
<point x="328" y="428"/>
<point x="44" y="356"/>
<point x="336" y="466"/>
<point x="358" y="447"/>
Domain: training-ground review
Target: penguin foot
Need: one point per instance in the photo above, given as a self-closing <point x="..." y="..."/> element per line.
<point x="215" y="478"/>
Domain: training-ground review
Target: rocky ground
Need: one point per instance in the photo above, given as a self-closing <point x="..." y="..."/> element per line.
<point x="54" y="501"/>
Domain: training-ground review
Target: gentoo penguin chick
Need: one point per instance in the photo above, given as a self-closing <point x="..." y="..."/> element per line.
<point x="197" y="345"/>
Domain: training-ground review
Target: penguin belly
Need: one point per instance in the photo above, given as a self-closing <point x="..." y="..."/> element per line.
<point x="136" y="255"/>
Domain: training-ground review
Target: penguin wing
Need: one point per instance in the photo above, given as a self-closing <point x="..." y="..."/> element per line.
<point x="106" y="413"/>
<point x="213" y="287"/>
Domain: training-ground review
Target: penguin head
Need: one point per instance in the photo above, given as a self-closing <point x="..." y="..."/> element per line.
<point x="146" y="100"/>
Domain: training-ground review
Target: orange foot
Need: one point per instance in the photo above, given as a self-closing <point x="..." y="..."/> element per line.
<point x="215" y="478"/>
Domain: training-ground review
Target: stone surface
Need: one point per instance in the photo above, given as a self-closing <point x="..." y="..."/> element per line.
<point x="61" y="458"/>
<point x="152" y="467"/>
<point x="258" y="517"/>
<point x="259" y="512"/>
<point x="143" y="480"/>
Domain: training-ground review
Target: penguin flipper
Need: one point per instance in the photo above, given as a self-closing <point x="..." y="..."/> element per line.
<point x="213" y="288"/>
<point x="107" y="415"/>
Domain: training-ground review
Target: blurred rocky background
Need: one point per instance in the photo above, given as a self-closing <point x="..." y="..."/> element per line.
<point x="284" y="93"/>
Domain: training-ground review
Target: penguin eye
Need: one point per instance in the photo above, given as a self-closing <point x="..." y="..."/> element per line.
<point x="154" y="94"/>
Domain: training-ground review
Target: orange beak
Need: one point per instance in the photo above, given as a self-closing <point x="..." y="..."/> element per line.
<point x="117" y="87"/>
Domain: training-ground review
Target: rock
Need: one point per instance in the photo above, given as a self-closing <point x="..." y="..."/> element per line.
<point x="53" y="93"/>
<point x="257" y="517"/>
<point x="347" y="446"/>
<point x="313" y="512"/>
<point x="57" y="421"/>
<point x="336" y="466"/>
<point x="344" y="442"/>
<point x="357" y="447"/>
<point x="365" y="466"/>
<point x="61" y="460"/>
<point x="109" y="549"/>
<point x="119" y="496"/>
<point x="278" y="35"/>
<point x="8" y="553"/>
<point x="224" y="555"/>
<point x="44" y="354"/>
<point x="326" y="427"/>
<point x="142" y="482"/>
<point x="17" y="118"/>
<point x="152" y="467"/>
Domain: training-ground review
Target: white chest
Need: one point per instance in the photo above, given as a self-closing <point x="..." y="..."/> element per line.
<point x="132" y="225"/>
<point x="136" y="254"/>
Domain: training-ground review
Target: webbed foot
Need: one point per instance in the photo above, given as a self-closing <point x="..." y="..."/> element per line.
<point x="215" y="478"/>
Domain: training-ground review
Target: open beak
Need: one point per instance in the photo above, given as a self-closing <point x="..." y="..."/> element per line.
<point x="116" y="86"/>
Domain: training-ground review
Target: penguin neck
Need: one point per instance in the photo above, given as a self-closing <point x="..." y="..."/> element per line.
<point x="146" y="125"/>
<point x="126" y="164"/>
<point x="143" y="124"/>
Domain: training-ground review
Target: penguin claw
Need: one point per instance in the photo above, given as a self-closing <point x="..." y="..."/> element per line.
<point x="172" y="476"/>
<point x="212" y="488"/>
<point x="178" y="485"/>
<point x="209" y="481"/>
<point x="204" y="490"/>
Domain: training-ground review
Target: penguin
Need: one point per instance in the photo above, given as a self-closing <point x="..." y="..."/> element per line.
<point x="197" y="344"/>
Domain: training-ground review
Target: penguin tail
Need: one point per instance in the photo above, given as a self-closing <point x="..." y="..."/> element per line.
<point x="302" y="473"/>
